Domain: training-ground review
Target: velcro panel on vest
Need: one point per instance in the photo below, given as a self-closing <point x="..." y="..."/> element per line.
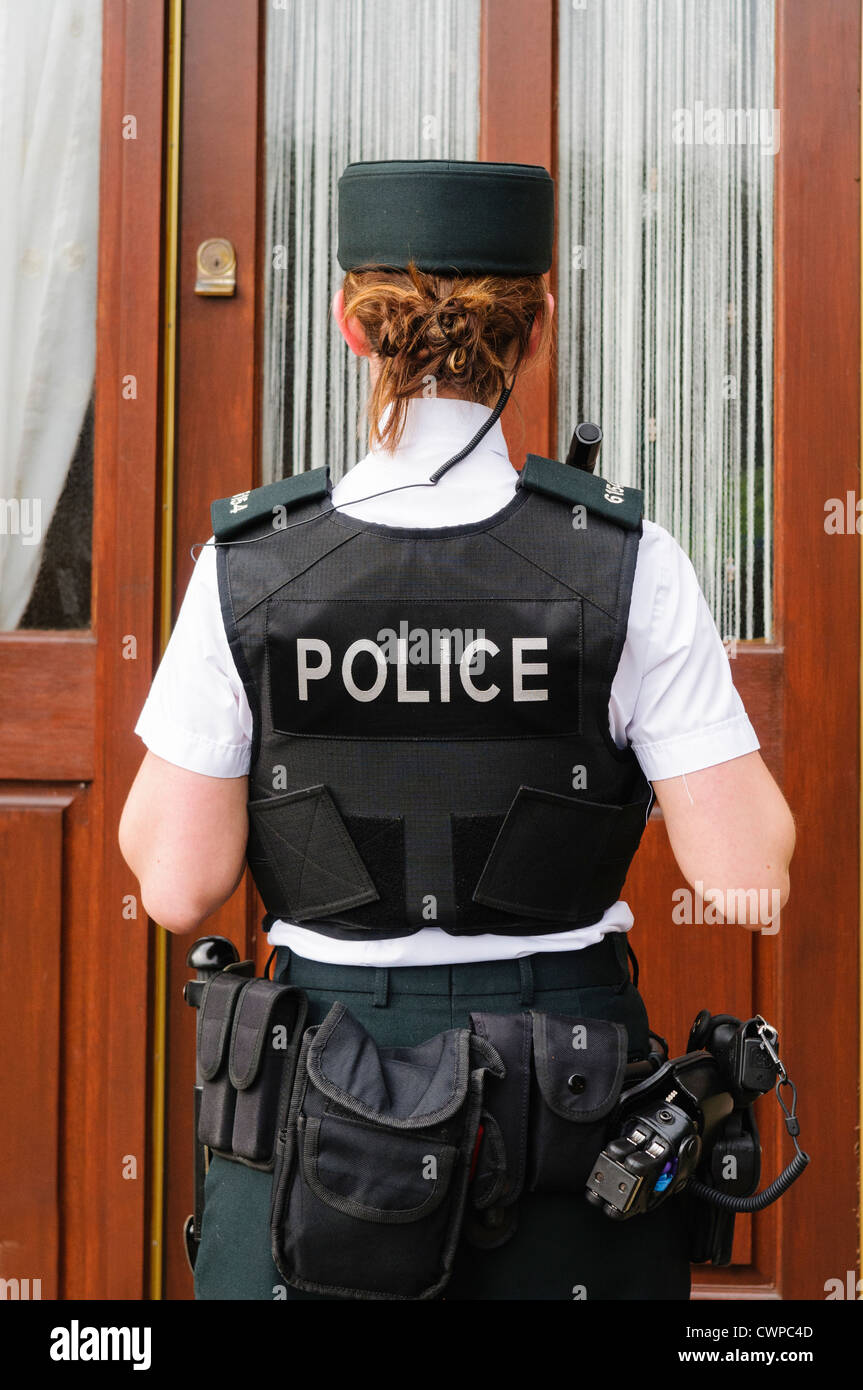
<point x="268" y="1021"/>
<point x="380" y="842"/>
<point x="500" y="1170"/>
<point x="231" y="514"/>
<point x="625" y="505"/>
<point x="215" y="1021"/>
<point x="303" y="858"/>
<point x="473" y="838"/>
<point x="579" y="1065"/>
<point x="548" y="860"/>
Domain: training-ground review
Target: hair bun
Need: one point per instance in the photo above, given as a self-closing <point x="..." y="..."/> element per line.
<point x="462" y="331"/>
<point x="456" y="321"/>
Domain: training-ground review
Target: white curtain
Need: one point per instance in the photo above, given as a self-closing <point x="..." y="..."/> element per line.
<point x="345" y="80"/>
<point x="50" y="89"/>
<point x="665" y="284"/>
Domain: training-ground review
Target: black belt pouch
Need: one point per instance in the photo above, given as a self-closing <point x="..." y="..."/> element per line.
<point x="373" y="1166"/>
<point x="248" y="1041"/>
<point x="579" y="1066"/>
<point x="546" y="1121"/>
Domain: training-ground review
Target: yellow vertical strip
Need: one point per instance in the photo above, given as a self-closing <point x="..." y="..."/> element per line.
<point x="169" y="362"/>
<point x="860" y="692"/>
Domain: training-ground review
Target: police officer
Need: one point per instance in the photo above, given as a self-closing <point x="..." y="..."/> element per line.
<point x="433" y="705"/>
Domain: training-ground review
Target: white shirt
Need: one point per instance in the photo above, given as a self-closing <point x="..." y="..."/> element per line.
<point x="672" y="697"/>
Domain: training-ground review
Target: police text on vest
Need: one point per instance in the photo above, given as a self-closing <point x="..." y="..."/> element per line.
<point x="315" y="663"/>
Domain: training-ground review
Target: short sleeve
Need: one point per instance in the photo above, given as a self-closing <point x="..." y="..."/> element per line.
<point x="197" y="714"/>
<point x="673" y="697"/>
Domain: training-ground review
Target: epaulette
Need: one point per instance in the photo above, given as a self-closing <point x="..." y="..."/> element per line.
<point x="625" y="505"/>
<point x="232" y="514"/>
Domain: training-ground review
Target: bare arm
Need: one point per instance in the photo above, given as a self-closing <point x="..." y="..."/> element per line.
<point x="184" y="835"/>
<point x="731" y="831"/>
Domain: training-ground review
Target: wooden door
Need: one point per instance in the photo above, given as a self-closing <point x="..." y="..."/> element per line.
<point x="74" y="1166"/>
<point x="800" y="690"/>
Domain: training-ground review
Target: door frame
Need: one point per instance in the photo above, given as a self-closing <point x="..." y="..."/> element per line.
<point x="111" y="1214"/>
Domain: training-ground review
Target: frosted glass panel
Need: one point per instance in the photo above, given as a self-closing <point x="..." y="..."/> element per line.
<point x="345" y="80"/>
<point x="667" y="138"/>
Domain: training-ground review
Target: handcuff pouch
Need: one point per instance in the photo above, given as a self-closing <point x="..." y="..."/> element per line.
<point x="578" y="1066"/>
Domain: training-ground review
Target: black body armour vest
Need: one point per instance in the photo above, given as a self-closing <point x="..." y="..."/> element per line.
<point x="431" y="743"/>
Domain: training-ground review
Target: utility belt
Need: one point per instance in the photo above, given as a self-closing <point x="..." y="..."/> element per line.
<point x="384" y="1158"/>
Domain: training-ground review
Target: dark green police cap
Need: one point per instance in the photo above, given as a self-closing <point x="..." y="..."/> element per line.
<point x="450" y="216"/>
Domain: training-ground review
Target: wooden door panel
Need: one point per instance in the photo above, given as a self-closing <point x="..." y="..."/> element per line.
<point x="32" y="895"/>
<point x="517" y="127"/>
<point x="50" y="733"/>
<point x="758" y="673"/>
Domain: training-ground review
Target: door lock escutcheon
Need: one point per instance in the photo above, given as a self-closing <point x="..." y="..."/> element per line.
<point x="217" y="267"/>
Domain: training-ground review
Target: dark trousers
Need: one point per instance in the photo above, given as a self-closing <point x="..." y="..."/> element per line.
<point x="562" y="1248"/>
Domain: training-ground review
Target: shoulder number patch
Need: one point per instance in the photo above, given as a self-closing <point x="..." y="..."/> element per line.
<point x="232" y="514"/>
<point x="625" y="505"/>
